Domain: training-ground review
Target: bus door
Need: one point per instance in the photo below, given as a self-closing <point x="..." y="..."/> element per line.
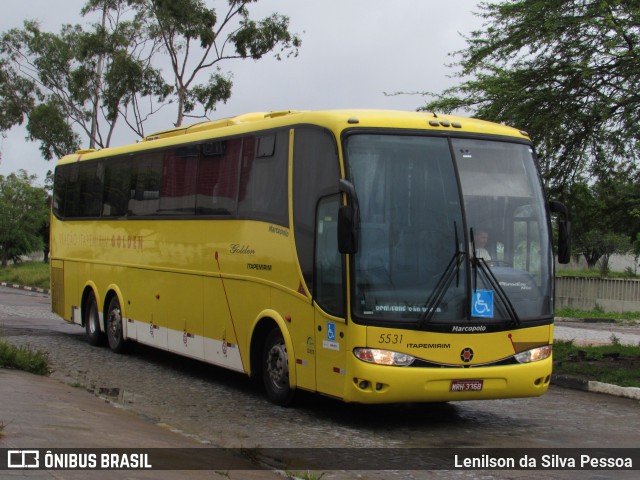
<point x="329" y="301"/>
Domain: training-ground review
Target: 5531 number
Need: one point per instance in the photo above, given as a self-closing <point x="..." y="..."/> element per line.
<point x="390" y="338"/>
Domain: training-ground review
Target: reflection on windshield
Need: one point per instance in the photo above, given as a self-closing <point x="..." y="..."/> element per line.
<point x="416" y="257"/>
<point x="504" y="209"/>
<point x="410" y="210"/>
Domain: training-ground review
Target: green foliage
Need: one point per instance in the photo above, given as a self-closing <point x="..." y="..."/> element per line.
<point x="308" y="475"/>
<point x="256" y="39"/>
<point x="23" y="358"/>
<point x="48" y="123"/>
<point x="189" y="19"/>
<point x="564" y="70"/>
<point x="597" y="313"/>
<point x="87" y="79"/>
<point x="31" y="274"/>
<point x="616" y="364"/>
<point x="15" y="95"/>
<point x="604" y="216"/>
<point x="78" y="80"/>
<point x="178" y="25"/>
<point x="25" y="210"/>
<point x="216" y="90"/>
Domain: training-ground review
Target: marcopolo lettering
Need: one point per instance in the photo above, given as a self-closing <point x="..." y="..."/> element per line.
<point x="469" y="328"/>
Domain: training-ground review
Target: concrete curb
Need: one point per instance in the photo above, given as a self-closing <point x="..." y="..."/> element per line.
<point x="595" y="387"/>
<point x="597" y="320"/>
<point x="23" y="287"/>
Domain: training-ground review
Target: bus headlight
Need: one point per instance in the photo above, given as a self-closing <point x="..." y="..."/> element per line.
<point x="534" y="355"/>
<point x="383" y="357"/>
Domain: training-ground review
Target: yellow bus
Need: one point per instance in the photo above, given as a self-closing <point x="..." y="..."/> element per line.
<point x="371" y="256"/>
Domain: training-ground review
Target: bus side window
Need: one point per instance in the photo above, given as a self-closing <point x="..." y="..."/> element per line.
<point x="329" y="290"/>
<point x="91" y="183"/>
<point x="216" y="191"/>
<point x="316" y="171"/>
<point x="117" y="188"/>
<point x="179" y="174"/>
<point x="146" y="178"/>
<point x="67" y="191"/>
<point x="263" y="178"/>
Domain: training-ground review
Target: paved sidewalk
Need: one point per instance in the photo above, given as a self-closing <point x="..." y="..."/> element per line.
<point x="39" y="412"/>
<point x="595" y="333"/>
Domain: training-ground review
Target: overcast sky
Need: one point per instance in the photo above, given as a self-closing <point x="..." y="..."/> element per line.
<point x="353" y="51"/>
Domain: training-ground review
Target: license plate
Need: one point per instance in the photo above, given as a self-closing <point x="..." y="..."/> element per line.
<point x="466" y="385"/>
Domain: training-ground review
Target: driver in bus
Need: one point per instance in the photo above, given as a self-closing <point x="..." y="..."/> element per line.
<point x="480" y="239"/>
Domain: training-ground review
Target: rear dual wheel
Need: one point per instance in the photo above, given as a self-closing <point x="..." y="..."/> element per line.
<point x="92" y="321"/>
<point x="113" y="325"/>
<point x="275" y="369"/>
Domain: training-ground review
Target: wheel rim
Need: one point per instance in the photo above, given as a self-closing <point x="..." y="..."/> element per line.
<point x="115" y="324"/>
<point x="277" y="366"/>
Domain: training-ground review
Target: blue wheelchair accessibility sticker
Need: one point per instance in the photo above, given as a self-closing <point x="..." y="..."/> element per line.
<point x="331" y="331"/>
<point x="482" y="304"/>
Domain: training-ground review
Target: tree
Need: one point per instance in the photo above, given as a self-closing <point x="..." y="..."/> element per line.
<point x="24" y="211"/>
<point x="45" y="230"/>
<point x="77" y="80"/>
<point x="198" y="38"/>
<point x="605" y="215"/>
<point x="81" y="84"/>
<point x="566" y="71"/>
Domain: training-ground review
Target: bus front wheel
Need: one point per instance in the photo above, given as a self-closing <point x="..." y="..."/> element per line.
<point x="92" y="321"/>
<point x="113" y="325"/>
<point x="275" y="369"/>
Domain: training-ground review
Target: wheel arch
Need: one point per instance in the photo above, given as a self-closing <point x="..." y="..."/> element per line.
<point x="88" y="289"/>
<point x="264" y="323"/>
<point x="114" y="291"/>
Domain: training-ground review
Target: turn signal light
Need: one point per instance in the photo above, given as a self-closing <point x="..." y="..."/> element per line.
<point x="383" y="357"/>
<point x="534" y="355"/>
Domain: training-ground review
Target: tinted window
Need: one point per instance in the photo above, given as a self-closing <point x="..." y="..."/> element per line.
<point x="180" y="171"/>
<point x="315" y="174"/>
<point x="66" y="191"/>
<point x="202" y="179"/>
<point x="263" y="178"/>
<point x="117" y="188"/>
<point x="147" y="174"/>
<point x="217" y="181"/>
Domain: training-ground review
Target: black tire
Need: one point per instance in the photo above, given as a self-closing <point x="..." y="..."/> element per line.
<point x="275" y="369"/>
<point x="91" y="320"/>
<point x="113" y="325"/>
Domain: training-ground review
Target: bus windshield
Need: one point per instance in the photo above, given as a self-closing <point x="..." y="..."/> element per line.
<point x="451" y="230"/>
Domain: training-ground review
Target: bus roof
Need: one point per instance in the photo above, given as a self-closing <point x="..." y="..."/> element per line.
<point x="336" y="120"/>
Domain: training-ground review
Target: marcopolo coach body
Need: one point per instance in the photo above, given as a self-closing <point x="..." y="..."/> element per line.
<point x="373" y="256"/>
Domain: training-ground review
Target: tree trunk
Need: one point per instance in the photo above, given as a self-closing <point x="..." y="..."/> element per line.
<point x="182" y="93"/>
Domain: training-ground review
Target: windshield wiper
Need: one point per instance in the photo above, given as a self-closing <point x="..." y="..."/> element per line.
<point x="480" y="265"/>
<point x="452" y="270"/>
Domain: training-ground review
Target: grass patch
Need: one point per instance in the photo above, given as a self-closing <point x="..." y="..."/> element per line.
<point x="593" y="273"/>
<point x="32" y="274"/>
<point x="597" y="313"/>
<point x="615" y="364"/>
<point x="23" y="358"/>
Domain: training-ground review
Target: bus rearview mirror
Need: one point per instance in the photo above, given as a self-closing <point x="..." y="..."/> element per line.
<point x="348" y="229"/>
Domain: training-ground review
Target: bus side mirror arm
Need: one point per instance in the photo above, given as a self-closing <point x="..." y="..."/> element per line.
<point x="348" y="220"/>
<point x="564" y="231"/>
